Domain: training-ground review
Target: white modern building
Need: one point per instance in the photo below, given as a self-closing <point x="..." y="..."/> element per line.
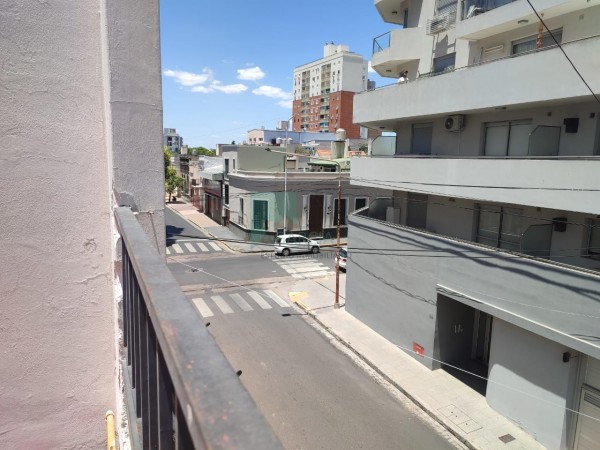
<point x="324" y="90"/>
<point x="492" y="237"/>
<point x="172" y="140"/>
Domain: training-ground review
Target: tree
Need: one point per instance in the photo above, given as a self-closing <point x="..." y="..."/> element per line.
<point x="172" y="181"/>
<point x="201" y="151"/>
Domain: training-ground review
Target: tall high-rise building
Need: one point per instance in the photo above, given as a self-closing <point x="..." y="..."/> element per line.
<point x="324" y="91"/>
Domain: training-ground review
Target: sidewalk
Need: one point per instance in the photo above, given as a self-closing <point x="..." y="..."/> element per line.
<point x="460" y="409"/>
<point x="224" y="234"/>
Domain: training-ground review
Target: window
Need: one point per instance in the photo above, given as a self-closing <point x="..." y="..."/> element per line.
<point x="226" y="194"/>
<point x="421" y="139"/>
<point x="530" y="43"/>
<point x="593" y="241"/>
<point x="507" y="138"/>
<point x="446" y="6"/>
<point x="360" y="203"/>
<point x="226" y="162"/>
<point x="444" y="63"/>
<point x="241" y="212"/>
<point x="261" y="215"/>
<point x="343" y="212"/>
<point x="500" y="227"/>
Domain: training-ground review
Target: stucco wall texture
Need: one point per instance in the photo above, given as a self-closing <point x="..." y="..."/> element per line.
<point x="57" y="324"/>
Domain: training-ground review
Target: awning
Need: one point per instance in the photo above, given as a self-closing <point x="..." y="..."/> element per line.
<point x="208" y="175"/>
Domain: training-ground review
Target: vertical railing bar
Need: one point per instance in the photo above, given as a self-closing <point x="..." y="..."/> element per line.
<point x="184" y="439"/>
<point x="130" y="319"/>
<point x="152" y="392"/>
<point x="126" y="282"/>
<point x="133" y="341"/>
<point x="137" y="351"/>
<point x="143" y="386"/>
<point x="165" y="403"/>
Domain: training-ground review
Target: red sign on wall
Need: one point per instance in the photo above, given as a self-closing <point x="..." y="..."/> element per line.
<point x="418" y="349"/>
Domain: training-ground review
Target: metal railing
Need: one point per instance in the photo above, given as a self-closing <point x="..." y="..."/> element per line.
<point x="381" y="42"/>
<point x="181" y="392"/>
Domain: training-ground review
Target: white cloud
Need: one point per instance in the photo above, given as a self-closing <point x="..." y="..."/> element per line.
<point x="216" y="86"/>
<point x="285" y="103"/>
<point x="189" y="78"/>
<point x="229" y="88"/>
<point x="371" y="68"/>
<point x="252" y="74"/>
<point x="273" y="92"/>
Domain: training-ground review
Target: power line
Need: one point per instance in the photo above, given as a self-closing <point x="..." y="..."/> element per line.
<point x="563" y="52"/>
<point x="408" y="350"/>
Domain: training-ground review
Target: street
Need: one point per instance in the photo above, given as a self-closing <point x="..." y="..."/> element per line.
<point x="310" y="389"/>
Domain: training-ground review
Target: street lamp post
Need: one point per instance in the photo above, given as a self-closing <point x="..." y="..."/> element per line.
<point x="339" y="221"/>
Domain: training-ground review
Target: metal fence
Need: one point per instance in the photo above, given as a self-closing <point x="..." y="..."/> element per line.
<point x="181" y="392"/>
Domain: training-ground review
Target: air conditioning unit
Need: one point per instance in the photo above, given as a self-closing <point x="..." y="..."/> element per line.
<point x="455" y="123"/>
<point x="441" y="22"/>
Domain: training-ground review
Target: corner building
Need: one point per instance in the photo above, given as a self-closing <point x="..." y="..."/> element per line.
<point x="492" y="234"/>
<point x="324" y="91"/>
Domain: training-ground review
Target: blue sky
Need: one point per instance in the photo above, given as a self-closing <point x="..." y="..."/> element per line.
<point x="228" y="65"/>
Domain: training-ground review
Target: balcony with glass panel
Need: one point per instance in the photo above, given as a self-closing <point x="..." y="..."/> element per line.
<point x="459" y="90"/>
<point x="484" y="18"/>
<point x="398" y="47"/>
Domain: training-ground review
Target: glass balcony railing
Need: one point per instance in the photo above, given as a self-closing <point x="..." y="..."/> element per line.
<point x="472" y="8"/>
<point x="181" y="392"/>
<point x="381" y="42"/>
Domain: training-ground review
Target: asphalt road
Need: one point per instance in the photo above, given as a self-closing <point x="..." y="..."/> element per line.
<point x="313" y="394"/>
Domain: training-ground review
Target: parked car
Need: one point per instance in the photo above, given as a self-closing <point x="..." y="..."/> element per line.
<point x="343" y="258"/>
<point x="295" y="243"/>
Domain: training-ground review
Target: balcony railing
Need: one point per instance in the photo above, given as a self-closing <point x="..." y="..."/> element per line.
<point x="181" y="392"/>
<point x="472" y="8"/>
<point x="381" y="42"/>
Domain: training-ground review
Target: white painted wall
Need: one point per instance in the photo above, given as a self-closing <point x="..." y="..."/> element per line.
<point x="530" y="384"/>
<point x="70" y="134"/>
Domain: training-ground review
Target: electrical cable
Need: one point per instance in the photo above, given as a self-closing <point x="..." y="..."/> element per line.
<point x="408" y="350"/>
<point x="563" y="52"/>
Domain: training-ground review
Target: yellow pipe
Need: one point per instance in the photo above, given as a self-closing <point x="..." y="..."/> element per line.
<point x="110" y="430"/>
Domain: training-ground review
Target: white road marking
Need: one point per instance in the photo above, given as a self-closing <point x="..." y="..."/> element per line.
<point x="222" y="304"/>
<point x="190" y="247"/>
<point x="202" y="247"/>
<point x="312" y="274"/>
<point x="259" y="299"/>
<point x="243" y="304"/>
<point x="168" y="250"/>
<point x="202" y="307"/>
<point x="281" y="302"/>
<point x="177" y="248"/>
<point x="215" y="246"/>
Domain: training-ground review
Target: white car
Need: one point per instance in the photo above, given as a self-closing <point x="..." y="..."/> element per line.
<point x="343" y="258"/>
<point x="295" y="243"/>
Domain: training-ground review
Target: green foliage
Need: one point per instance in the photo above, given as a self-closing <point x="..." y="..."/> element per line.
<point x="172" y="181"/>
<point x="201" y="151"/>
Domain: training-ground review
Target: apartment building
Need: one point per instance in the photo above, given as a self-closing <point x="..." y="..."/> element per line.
<point x="172" y="140"/>
<point x="324" y="91"/>
<point x="492" y="234"/>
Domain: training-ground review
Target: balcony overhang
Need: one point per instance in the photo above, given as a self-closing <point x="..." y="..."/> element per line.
<point x="544" y="183"/>
<point x="511" y="16"/>
<point x="528" y="80"/>
<point x="406" y="45"/>
<point x="391" y="11"/>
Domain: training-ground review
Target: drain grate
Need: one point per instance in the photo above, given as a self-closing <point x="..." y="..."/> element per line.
<point x="507" y="438"/>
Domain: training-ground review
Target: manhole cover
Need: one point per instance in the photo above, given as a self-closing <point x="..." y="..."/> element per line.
<point x="507" y="438"/>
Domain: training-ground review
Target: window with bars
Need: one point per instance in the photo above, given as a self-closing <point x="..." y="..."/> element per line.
<point x="261" y="215"/>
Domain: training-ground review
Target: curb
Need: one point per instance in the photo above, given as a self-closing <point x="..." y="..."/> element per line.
<point x="412" y="398"/>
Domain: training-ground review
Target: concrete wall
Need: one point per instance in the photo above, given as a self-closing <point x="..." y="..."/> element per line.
<point x="67" y="119"/>
<point x="395" y="291"/>
<point x="530" y="384"/>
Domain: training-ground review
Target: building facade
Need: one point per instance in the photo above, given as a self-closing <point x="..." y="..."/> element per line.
<point x="266" y="191"/>
<point x="492" y="234"/>
<point x="324" y="91"/>
<point x="172" y="140"/>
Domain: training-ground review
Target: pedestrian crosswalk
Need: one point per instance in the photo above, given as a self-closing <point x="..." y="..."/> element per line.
<point x="303" y="267"/>
<point x="238" y="302"/>
<point x="191" y="247"/>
